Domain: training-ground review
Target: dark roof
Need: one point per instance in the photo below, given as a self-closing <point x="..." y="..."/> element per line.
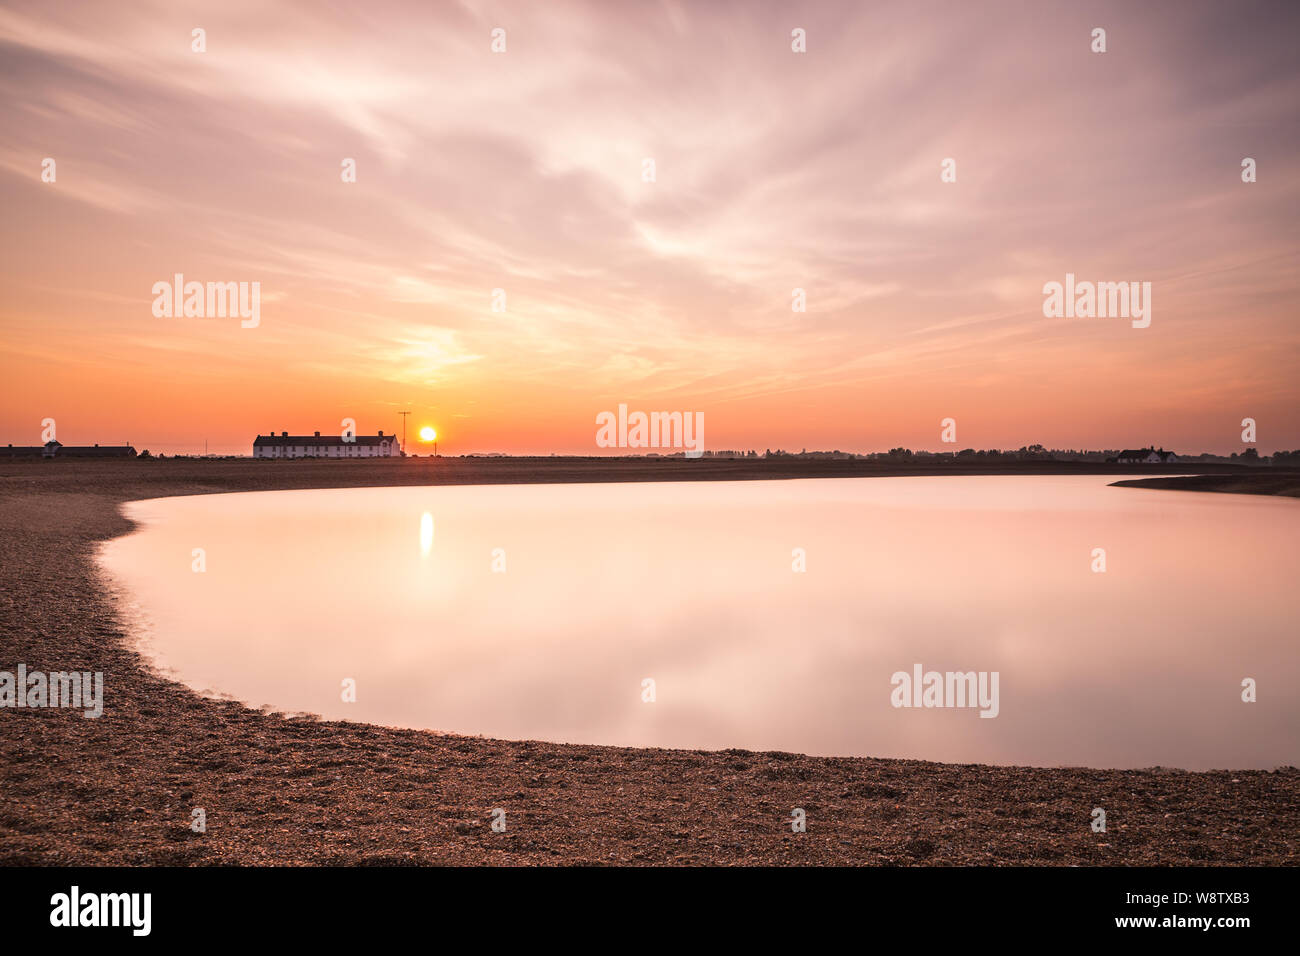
<point x="60" y="450"/>
<point x="320" y="441"/>
<point x="1143" y="453"/>
<point x="96" y="451"/>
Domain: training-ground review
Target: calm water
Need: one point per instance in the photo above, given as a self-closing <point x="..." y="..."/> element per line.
<point x="691" y="585"/>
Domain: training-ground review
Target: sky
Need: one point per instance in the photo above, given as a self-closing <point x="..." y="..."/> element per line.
<point x="524" y="171"/>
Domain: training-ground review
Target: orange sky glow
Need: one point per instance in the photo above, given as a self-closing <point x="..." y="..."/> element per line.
<point x="522" y="171"/>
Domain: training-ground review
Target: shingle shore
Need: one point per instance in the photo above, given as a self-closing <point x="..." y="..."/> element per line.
<point x="120" y="789"/>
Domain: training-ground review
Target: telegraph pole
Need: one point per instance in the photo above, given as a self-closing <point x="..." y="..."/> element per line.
<point x="403" y="414"/>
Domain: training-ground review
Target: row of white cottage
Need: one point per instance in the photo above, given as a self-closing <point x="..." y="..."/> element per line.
<point x="285" y="445"/>
<point x="1145" y="456"/>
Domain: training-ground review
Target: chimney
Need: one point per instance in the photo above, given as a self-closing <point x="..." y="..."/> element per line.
<point x="284" y="434"/>
<point x="381" y="434"/>
<point x="318" y="434"/>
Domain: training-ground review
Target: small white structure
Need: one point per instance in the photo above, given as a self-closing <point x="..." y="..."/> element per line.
<point x="1146" y="456"/>
<point x="285" y="445"/>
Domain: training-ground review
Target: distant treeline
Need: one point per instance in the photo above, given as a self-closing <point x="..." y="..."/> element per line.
<point x="1024" y="453"/>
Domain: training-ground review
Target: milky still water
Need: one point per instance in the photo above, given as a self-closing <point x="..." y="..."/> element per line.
<point x="690" y="584"/>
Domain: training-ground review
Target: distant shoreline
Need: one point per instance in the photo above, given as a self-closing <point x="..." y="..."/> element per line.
<point x="160" y="477"/>
<point x="291" y="790"/>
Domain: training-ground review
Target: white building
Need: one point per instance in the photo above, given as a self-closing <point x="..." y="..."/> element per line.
<point x="285" y="445"/>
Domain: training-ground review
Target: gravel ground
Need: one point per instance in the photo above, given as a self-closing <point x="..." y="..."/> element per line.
<point x="278" y="790"/>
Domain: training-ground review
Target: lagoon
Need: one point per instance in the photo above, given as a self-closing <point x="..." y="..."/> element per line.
<point x="762" y="615"/>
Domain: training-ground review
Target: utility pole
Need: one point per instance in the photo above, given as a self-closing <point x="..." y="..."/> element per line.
<point x="403" y="414"/>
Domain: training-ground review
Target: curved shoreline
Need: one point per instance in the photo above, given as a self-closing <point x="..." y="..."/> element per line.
<point x="1281" y="483"/>
<point x="120" y="789"/>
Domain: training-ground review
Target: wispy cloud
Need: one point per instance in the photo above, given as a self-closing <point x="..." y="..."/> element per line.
<point x="774" y="171"/>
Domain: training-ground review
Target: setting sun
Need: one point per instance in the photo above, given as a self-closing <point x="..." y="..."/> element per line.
<point x="427" y="434"/>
